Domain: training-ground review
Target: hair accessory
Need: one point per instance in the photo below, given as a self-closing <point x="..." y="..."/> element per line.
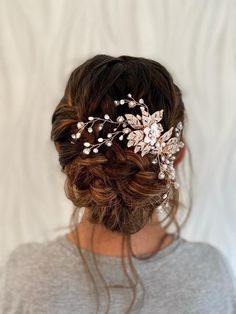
<point x="146" y="136"/>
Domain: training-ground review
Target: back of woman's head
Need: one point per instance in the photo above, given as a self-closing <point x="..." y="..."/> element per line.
<point x="120" y="188"/>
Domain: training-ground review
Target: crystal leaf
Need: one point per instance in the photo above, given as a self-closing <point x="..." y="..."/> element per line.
<point x="157" y="116"/>
<point x="136" y="136"/>
<point x="146" y="118"/>
<point x="133" y="121"/>
<point x="166" y="135"/>
<point x="130" y="143"/>
<point x="145" y="150"/>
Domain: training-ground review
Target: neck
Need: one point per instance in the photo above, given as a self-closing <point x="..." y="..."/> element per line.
<point x="146" y="241"/>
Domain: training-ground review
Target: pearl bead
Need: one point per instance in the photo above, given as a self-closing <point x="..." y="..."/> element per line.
<point x="106" y="116"/>
<point x="161" y="175"/>
<point x="122" y="101"/>
<point x="121" y="137"/>
<point x="120" y="119"/>
<point x="109" y="135"/>
<point x="90" y="118"/>
<point x="95" y="150"/>
<point x="180" y="125"/>
<point x="90" y="130"/>
<point x="100" y="139"/>
<point x="126" y="130"/>
<point x="86" y="144"/>
<point x="86" y="151"/>
<point x="129" y="95"/>
<point x="108" y="143"/>
<point x="141" y="101"/>
<point x="79" y="125"/>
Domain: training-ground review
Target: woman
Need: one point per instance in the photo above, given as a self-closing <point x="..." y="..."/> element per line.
<point x="119" y="133"/>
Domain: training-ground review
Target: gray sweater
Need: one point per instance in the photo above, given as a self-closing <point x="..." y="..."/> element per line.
<point x="183" y="278"/>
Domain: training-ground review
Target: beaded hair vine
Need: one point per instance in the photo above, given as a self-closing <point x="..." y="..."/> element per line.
<point x="145" y="136"/>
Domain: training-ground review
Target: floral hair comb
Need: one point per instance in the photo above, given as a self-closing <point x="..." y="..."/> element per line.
<point x="146" y="136"/>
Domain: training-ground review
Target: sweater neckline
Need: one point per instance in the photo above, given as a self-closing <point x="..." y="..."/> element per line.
<point x="164" y="252"/>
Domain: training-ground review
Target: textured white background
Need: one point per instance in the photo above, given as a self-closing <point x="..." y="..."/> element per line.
<point x="43" y="41"/>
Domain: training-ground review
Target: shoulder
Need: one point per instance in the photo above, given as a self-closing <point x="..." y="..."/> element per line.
<point x="209" y="265"/>
<point x="34" y="269"/>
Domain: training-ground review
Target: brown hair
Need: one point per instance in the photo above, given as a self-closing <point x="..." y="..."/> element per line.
<point x="120" y="188"/>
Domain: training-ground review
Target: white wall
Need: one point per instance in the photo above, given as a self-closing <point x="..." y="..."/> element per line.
<point x="41" y="43"/>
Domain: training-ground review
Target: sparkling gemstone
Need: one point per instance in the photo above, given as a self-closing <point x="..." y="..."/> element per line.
<point x="100" y="139"/>
<point x="122" y="101"/>
<point x="86" y="151"/>
<point x="78" y="135"/>
<point x="90" y="130"/>
<point x="73" y="136"/>
<point x="90" y="118"/>
<point x="121" y="137"/>
<point x="114" y="129"/>
<point x="120" y="119"/>
<point x="154" y="161"/>
<point x="116" y="102"/>
<point x="129" y="95"/>
<point x="141" y="101"/>
<point x="95" y="150"/>
<point x="109" y="135"/>
<point x="100" y="127"/>
<point x="86" y="144"/>
<point x="108" y="143"/>
<point x="161" y="175"/>
<point x="106" y="116"/>
<point x="164" y="196"/>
